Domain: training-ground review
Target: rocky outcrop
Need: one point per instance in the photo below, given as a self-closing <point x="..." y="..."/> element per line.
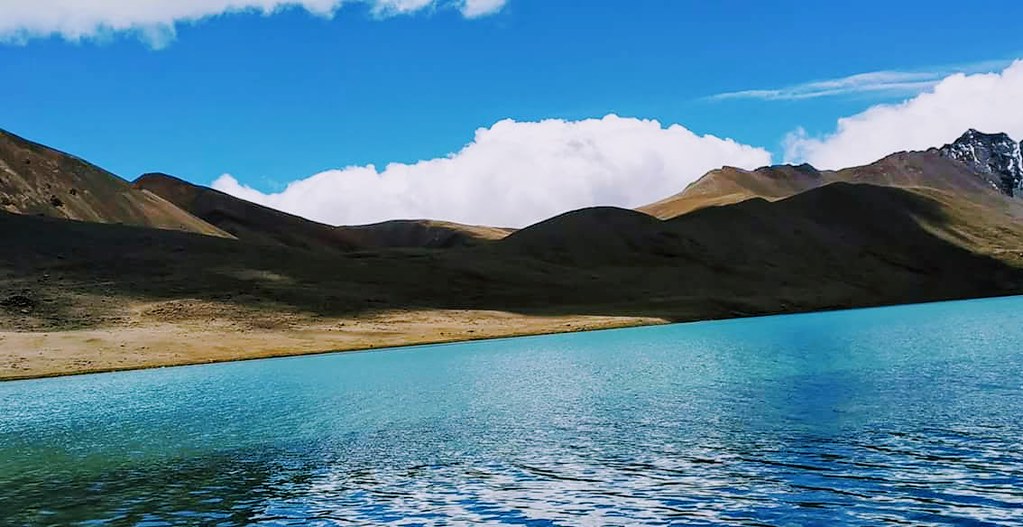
<point x="996" y="155"/>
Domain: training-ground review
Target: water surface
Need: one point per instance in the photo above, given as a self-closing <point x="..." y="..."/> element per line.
<point x="907" y="415"/>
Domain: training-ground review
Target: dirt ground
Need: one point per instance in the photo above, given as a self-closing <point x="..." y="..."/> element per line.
<point x="200" y="333"/>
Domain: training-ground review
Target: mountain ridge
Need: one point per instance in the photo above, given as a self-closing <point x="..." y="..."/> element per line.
<point x="37" y="179"/>
<point x="254" y="222"/>
<point x="910" y="169"/>
<point x="911" y="227"/>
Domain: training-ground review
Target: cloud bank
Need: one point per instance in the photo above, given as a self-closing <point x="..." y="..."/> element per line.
<point x="516" y="173"/>
<point x="991" y="102"/>
<point x="155" y="20"/>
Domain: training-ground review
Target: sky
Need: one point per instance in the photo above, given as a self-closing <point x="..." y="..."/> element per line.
<point x="499" y="112"/>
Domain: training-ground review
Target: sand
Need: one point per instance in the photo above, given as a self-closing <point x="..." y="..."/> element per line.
<point x="25" y="355"/>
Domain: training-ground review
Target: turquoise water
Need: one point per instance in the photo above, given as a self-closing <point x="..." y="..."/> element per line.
<point x="908" y="415"/>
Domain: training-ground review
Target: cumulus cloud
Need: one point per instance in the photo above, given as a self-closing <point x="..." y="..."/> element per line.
<point x="516" y="173"/>
<point x="155" y="20"/>
<point x="989" y="102"/>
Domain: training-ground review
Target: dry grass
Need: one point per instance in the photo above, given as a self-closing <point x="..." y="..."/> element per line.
<point x="78" y="297"/>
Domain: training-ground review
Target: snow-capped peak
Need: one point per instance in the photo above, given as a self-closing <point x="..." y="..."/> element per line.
<point x="994" y="154"/>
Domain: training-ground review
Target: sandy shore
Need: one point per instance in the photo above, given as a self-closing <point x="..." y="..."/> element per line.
<point x="148" y="344"/>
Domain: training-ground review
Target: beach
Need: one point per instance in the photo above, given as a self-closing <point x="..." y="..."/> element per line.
<point x="140" y="342"/>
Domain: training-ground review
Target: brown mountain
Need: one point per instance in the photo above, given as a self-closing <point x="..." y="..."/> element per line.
<point x="728" y="185"/>
<point x="904" y="169"/>
<point x="594" y="235"/>
<point x="38" y="180"/>
<point x="245" y="220"/>
<point x="429" y="234"/>
<point x="840" y="245"/>
<point x="823" y="234"/>
<point x="909" y="228"/>
<point x="256" y="223"/>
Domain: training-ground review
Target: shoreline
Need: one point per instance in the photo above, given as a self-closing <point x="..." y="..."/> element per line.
<point x="390" y="330"/>
<point x="49" y="354"/>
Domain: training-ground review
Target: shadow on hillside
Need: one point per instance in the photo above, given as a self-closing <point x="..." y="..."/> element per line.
<point x="838" y="246"/>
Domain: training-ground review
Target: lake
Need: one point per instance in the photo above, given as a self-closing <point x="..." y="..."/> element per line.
<point x="905" y="415"/>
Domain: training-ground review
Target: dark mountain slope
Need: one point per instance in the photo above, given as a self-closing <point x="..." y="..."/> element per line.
<point x="256" y="223"/>
<point x="882" y="238"/>
<point x="605" y="234"/>
<point x="245" y="220"/>
<point x="839" y="244"/>
<point x="428" y="234"/>
<point x="38" y="180"/>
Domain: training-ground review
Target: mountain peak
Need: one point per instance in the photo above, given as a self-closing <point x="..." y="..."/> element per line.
<point x="994" y="154"/>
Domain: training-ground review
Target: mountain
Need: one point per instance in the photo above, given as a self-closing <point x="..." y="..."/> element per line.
<point x="839" y="245"/>
<point x="38" y="180"/>
<point x="729" y="185"/>
<point x="994" y="155"/>
<point x="832" y="232"/>
<point x="911" y="227"/>
<point x="245" y="220"/>
<point x="428" y="234"/>
<point x="602" y="234"/>
<point x="256" y="223"/>
<point x="911" y="170"/>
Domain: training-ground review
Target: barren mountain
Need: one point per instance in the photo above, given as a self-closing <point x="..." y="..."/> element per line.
<point x="245" y="220"/>
<point x="429" y="234"/>
<point x="903" y="169"/>
<point x="256" y="223"/>
<point x="828" y="233"/>
<point x="38" y="180"/>
<point x="911" y="227"/>
<point x="729" y="185"/>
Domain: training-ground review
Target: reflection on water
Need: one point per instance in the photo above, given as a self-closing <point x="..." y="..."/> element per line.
<point x="903" y="415"/>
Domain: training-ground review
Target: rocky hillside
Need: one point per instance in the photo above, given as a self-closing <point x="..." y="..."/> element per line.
<point x="38" y="180"/>
<point x="995" y="155"/>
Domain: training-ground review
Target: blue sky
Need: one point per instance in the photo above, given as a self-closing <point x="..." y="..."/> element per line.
<point x="274" y="98"/>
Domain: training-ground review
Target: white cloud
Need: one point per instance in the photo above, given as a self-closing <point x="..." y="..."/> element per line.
<point x="888" y="83"/>
<point x="989" y="102"/>
<point x="478" y="8"/>
<point x="154" y="20"/>
<point x="516" y="173"/>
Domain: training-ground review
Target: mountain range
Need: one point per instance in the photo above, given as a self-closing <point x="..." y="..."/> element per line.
<point x="87" y="251"/>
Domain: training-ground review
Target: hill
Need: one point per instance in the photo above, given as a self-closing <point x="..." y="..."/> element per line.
<point x="245" y="220"/>
<point x="256" y="223"/>
<point x="903" y="170"/>
<point x="728" y="185"/>
<point x="912" y="227"/>
<point x="605" y="234"/>
<point x="38" y="180"/>
<point x="428" y="234"/>
<point x="823" y="234"/>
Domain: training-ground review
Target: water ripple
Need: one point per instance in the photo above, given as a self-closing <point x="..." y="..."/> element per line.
<point x="858" y="418"/>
